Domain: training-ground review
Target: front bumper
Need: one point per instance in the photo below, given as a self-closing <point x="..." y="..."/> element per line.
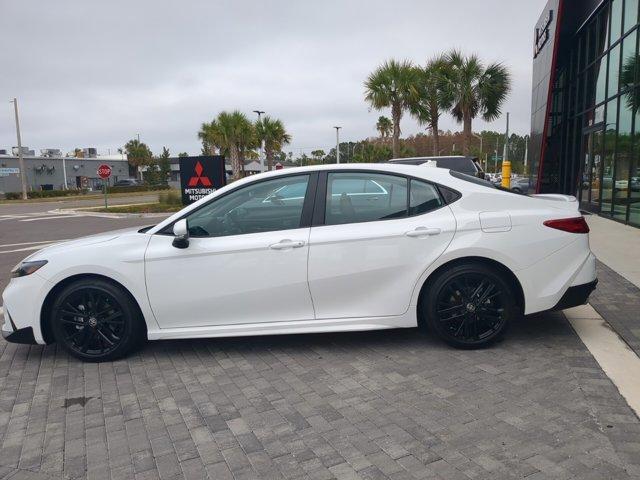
<point x="17" y="335"/>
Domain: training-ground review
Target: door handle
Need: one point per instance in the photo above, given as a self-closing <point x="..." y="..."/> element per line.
<point x="423" y="232"/>
<point x="286" y="244"/>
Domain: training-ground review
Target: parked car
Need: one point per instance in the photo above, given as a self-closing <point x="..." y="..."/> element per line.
<point x="314" y="249"/>
<point x="127" y="182"/>
<point x="520" y="184"/>
<point x="458" y="163"/>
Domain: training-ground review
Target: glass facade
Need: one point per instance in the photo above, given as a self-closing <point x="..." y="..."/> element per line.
<point x="592" y="137"/>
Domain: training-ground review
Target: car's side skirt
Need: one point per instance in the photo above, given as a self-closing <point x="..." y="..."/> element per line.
<point x="407" y="320"/>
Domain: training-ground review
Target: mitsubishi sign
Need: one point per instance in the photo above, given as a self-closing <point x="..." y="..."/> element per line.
<point x="199" y="176"/>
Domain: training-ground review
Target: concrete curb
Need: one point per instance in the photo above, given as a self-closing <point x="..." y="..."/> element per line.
<point x="86" y="212"/>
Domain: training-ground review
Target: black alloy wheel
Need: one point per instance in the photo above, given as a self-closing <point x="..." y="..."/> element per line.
<point x="470" y="306"/>
<point x="95" y="320"/>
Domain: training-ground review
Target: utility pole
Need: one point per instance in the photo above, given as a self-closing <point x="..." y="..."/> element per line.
<point x="23" y="171"/>
<point x="526" y="152"/>
<point x="337" y="144"/>
<point x="260" y="112"/>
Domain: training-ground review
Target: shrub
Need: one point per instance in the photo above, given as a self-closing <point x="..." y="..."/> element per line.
<point x="53" y="193"/>
<point x="138" y="188"/>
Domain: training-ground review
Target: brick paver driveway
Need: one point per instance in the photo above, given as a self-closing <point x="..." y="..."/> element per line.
<point x="395" y="404"/>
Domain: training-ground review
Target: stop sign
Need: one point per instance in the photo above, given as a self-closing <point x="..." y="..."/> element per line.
<point x="279" y="166"/>
<point x="104" y="171"/>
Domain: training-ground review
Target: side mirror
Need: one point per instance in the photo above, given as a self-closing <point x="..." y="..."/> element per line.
<point x="181" y="234"/>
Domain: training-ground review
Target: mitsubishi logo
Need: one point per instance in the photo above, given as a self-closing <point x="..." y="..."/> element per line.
<point x="198" y="178"/>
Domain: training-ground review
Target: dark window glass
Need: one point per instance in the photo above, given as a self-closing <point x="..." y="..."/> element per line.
<point x="628" y="67"/>
<point x="423" y="198"/>
<point x="261" y="207"/>
<point x="623" y="159"/>
<point x="634" y="177"/>
<point x="609" y="156"/>
<point x="614" y="70"/>
<point x="601" y="80"/>
<point x="616" y="21"/>
<point x="630" y="14"/>
<point x="364" y="197"/>
<point x="591" y="42"/>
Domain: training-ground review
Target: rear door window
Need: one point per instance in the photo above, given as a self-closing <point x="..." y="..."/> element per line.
<point x="364" y="197"/>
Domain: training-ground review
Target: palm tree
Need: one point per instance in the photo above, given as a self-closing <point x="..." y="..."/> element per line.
<point x="477" y="90"/>
<point x="434" y="96"/>
<point x="138" y="155"/>
<point x="231" y="132"/>
<point x="271" y="131"/>
<point x="628" y="79"/>
<point x="392" y="85"/>
<point x="384" y="126"/>
<point x="206" y="136"/>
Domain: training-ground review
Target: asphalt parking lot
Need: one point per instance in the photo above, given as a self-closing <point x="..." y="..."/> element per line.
<point x="395" y="404"/>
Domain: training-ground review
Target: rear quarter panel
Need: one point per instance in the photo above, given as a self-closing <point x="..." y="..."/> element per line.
<point x="544" y="260"/>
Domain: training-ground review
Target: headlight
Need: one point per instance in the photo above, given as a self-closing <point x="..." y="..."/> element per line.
<point x="27" y="268"/>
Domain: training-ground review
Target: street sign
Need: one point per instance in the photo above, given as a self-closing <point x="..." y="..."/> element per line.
<point x="200" y="176"/>
<point x="104" y="171"/>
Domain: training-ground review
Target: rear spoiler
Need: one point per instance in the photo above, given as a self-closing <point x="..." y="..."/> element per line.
<point x="555" y="196"/>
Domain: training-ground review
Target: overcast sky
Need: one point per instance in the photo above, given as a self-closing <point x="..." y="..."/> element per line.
<point x="94" y="73"/>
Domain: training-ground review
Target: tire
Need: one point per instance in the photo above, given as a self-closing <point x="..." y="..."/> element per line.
<point x="96" y="321"/>
<point x="469" y="305"/>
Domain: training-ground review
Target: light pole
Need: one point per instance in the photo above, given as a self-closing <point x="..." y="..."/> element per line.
<point x="23" y="172"/>
<point x="337" y="144"/>
<point x="260" y="112"/>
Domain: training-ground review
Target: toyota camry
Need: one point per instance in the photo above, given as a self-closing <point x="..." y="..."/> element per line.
<point x="331" y="248"/>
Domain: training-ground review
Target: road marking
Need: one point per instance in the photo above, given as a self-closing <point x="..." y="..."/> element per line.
<point x="617" y="360"/>
<point x="52" y="217"/>
<point x="32" y="243"/>
<point x="26" y="249"/>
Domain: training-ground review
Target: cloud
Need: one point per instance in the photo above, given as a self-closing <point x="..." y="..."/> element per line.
<point x="90" y="73"/>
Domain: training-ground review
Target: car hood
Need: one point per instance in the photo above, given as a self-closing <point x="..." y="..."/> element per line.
<point x="82" y="242"/>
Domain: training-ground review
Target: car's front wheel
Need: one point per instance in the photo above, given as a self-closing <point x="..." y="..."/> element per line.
<point x="95" y="320"/>
<point x="469" y="306"/>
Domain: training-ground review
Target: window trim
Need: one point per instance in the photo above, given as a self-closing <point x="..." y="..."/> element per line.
<point x="321" y="196"/>
<point x="307" y="205"/>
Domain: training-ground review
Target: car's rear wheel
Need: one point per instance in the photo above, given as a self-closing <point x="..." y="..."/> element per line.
<point x="95" y="320"/>
<point x="469" y="306"/>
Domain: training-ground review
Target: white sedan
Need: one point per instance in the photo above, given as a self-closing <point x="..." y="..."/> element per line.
<point x="315" y="249"/>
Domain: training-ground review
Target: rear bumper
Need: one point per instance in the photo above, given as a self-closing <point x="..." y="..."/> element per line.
<point x="576" y="295"/>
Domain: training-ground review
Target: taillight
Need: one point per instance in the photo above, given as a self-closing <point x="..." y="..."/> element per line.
<point x="571" y="225"/>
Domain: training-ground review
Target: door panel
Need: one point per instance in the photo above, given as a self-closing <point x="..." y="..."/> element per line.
<point x="366" y="258"/>
<point x="246" y="261"/>
<point x="229" y="280"/>
<point x="370" y="269"/>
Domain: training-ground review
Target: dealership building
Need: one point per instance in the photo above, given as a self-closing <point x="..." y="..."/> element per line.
<point x="49" y="170"/>
<point x="585" y="118"/>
